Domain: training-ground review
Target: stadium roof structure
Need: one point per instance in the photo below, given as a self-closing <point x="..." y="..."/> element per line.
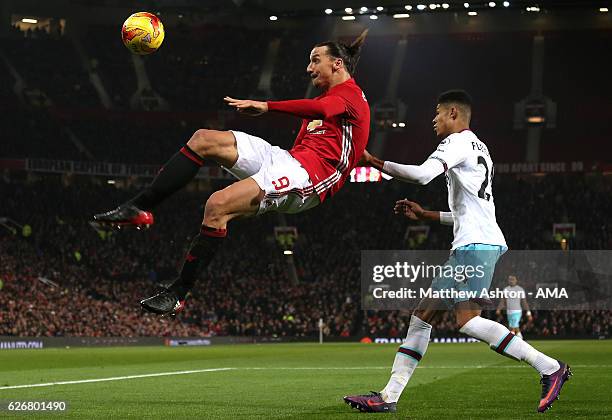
<point x="348" y="16"/>
<point x="317" y="7"/>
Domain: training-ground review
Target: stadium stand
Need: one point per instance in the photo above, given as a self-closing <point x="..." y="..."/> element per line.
<point x="66" y="279"/>
<point x="95" y="281"/>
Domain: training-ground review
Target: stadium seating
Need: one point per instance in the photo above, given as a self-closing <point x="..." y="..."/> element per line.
<point x="247" y="290"/>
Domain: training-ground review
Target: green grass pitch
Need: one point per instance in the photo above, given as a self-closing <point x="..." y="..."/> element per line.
<point x="286" y="381"/>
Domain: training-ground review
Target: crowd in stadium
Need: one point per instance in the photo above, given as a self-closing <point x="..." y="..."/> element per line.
<point x="61" y="277"/>
<point x="58" y="276"/>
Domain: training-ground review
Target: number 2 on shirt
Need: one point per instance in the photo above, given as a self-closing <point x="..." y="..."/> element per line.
<point x="481" y="192"/>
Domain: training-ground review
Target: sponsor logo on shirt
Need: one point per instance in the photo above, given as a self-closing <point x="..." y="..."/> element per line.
<point x="314" y="124"/>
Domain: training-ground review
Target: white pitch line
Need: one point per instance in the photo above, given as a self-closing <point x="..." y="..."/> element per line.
<point x="187" y="372"/>
<point x="517" y="366"/>
<point x="115" y="378"/>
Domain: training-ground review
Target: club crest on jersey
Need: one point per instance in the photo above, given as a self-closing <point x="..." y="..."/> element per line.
<point x="314" y="124"/>
<point x="442" y="145"/>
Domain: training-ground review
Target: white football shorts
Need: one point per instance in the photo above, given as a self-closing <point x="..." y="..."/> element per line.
<point x="286" y="184"/>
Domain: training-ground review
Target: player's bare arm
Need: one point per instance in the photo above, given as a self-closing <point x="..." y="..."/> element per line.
<point x="368" y="159"/>
<point x="247" y="106"/>
<point x="414" y="211"/>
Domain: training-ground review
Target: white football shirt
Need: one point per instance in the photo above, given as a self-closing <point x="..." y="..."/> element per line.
<point x="513" y="304"/>
<point x="469" y="173"/>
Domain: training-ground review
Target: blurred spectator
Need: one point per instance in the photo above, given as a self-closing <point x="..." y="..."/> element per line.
<point x="247" y="291"/>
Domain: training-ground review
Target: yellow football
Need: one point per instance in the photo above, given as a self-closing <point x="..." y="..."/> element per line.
<point x="142" y="33"/>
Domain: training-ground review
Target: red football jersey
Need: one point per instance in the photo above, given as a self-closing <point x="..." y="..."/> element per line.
<point x="333" y="136"/>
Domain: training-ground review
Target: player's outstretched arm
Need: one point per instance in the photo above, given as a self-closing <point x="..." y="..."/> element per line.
<point x="415" y="174"/>
<point x="323" y="108"/>
<point x="326" y="107"/>
<point x="247" y="106"/>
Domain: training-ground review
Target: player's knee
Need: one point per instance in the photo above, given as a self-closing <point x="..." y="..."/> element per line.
<point x="216" y="206"/>
<point x="462" y="318"/>
<point x="203" y="142"/>
<point x="422" y="315"/>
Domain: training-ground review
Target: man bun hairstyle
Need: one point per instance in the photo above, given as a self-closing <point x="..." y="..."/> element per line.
<point x="348" y="53"/>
